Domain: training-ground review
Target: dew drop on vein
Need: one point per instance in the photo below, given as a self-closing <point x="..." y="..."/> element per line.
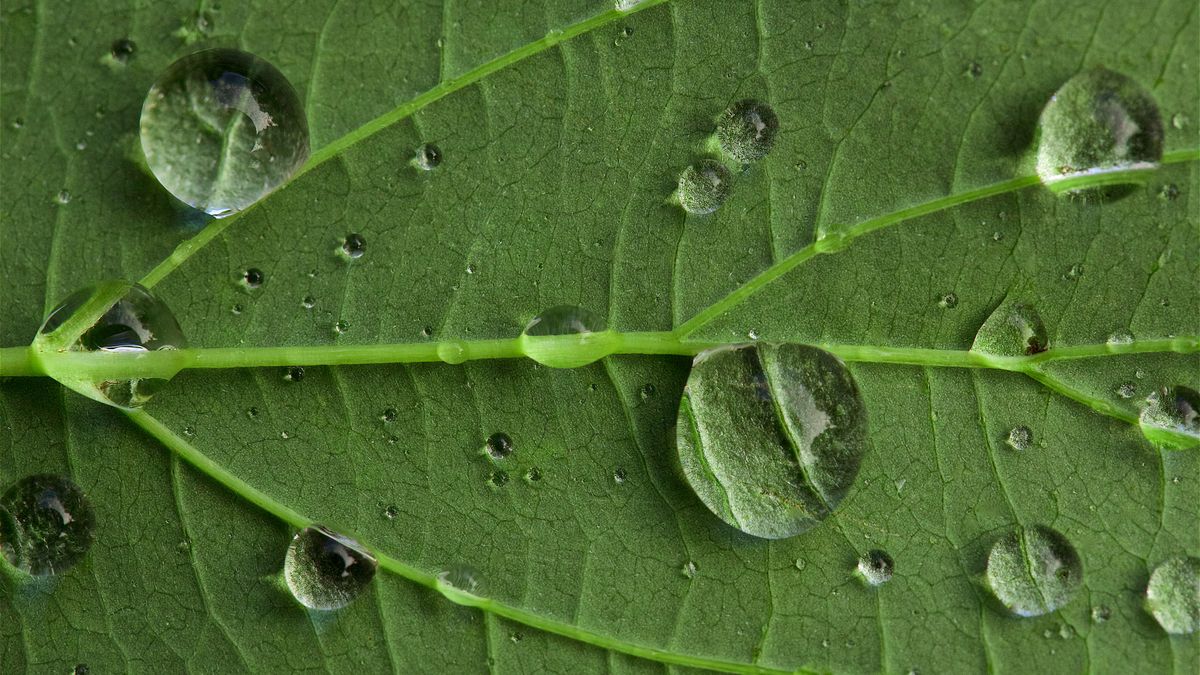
<point x="46" y="524"/>
<point x="1013" y="329"/>
<point x="221" y="129"/>
<point x="1034" y="570"/>
<point x="1170" y="416"/>
<point x="1173" y="595"/>
<point x="542" y="338"/>
<point x="769" y="437"/>
<point x="325" y="570"/>
<point x="459" y="577"/>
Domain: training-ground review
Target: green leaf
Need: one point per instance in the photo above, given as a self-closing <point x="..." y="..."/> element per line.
<point x="902" y="172"/>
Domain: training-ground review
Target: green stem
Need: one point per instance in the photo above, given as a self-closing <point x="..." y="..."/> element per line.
<point x="17" y="362"/>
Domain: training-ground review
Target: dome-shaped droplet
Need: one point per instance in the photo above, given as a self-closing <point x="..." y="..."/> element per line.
<point x="566" y="336"/>
<point x="704" y="186"/>
<point x="221" y="129"/>
<point x="46" y="524"/>
<point x="1020" y="438"/>
<point x="128" y="319"/>
<point x="353" y="245"/>
<point x="876" y="567"/>
<point x="1099" y="122"/>
<point x="122" y="50"/>
<point x="746" y="130"/>
<point x="1173" y="595"/>
<point x="771" y="437"/>
<point x="1171" y="416"/>
<point x="499" y="445"/>
<point x="1034" y="570"/>
<point x="1013" y="329"/>
<point x="325" y="570"/>
<point x="428" y="157"/>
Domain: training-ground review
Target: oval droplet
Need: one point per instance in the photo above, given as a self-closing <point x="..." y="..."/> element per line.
<point x="253" y="277"/>
<point x="46" y="524"/>
<point x="354" y="245"/>
<point x="770" y="438"/>
<point x="1034" y="570"/>
<point x="325" y="570"/>
<point x="704" y="186"/>
<point x="1020" y="438"/>
<point x="1173" y="595"/>
<point x="1099" y="122"/>
<point x="876" y="567"/>
<point x="1171" y="417"/>
<point x="221" y="129"/>
<point x="499" y="445"/>
<point x="428" y="157"/>
<point x="459" y="577"/>
<point x="1013" y="329"/>
<point x="129" y="319"/>
<point x="122" y="50"/>
<point x="566" y="336"/>
<point x="747" y="130"/>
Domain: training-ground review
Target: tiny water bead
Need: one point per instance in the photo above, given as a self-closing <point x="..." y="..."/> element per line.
<point x="428" y="157"/>
<point x="1020" y="438"/>
<point x="688" y="570"/>
<point x="46" y="524"/>
<point x="253" y="277"/>
<point x="459" y="577"/>
<point x="704" y="187"/>
<point x="498" y="478"/>
<point x="499" y="445"/>
<point x="63" y="197"/>
<point x="1173" y="595"/>
<point x="1013" y="329"/>
<point x="1034" y="570"/>
<point x="128" y="319"/>
<point x="221" y="129"/>
<point x="391" y="512"/>
<point x="1171" y="416"/>
<point x="389" y="415"/>
<point x="353" y="245"/>
<point x="770" y="437"/>
<point x="308" y="302"/>
<point x="1169" y="192"/>
<point x="325" y="570"/>
<point x="122" y="50"/>
<point x="542" y="337"/>
<point x="620" y="475"/>
<point x="948" y="301"/>
<point x="876" y="567"/>
<point x="747" y="130"/>
<point x="1099" y="122"/>
<point x="1101" y="613"/>
<point x="1126" y="390"/>
<point x="293" y="373"/>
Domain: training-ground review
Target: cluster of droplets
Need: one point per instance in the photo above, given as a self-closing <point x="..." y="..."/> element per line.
<point x="745" y="133"/>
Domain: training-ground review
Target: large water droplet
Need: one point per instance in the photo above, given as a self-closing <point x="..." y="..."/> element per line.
<point x="130" y="319"/>
<point x="566" y="336"/>
<point x="771" y="437"/>
<point x="704" y="186"/>
<point x="1099" y="122"/>
<point x="46" y="524"/>
<point x="1034" y="570"/>
<point x="221" y="129"/>
<point x="1171" y="416"/>
<point x="747" y="130"/>
<point x="325" y="570"/>
<point x="1013" y="329"/>
<point x="1173" y="595"/>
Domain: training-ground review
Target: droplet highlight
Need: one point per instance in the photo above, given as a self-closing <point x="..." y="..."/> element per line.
<point x="428" y="157"/>
<point x="1034" y="570"/>
<point x="353" y="245"/>
<point x="704" y="187"/>
<point x="1020" y="438"/>
<point x="46" y="524"/>
<point x="1173" y="595"/>
<point x="746" y="130"/>
<point x="325" y="570"/>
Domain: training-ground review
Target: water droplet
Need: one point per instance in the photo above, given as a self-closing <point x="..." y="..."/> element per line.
<point x="252" y="412"/>
<point x="341" y="326"/>
<point x="876" y="567"/>
<point x="1173" y="595"/>
<point x="1168" y="192"/>
<point x="747" y="130"/>
<point x="130" y="319"/>
<point x="646" y="391"/>
<point x="81" y="146"/>
<point x="452" y="352"/>
<point x="1020" y="438"/>
<point x="620" y="475"/>
<point x="46" y="524"/>
<point x="221" y="129"/>
<point x="948" y="301"/>
<point x="470" y="268"/>
<point x="63" y="197"/>
<point x="237" y="309"/>
<point x="628" y="5"/>
<point x="770" y="437"/>
<point x="1139" y="373"/>
<point x="389" y="415"/>
<point x="688" y="570"/>
<point x="704" y="186"/>
<point x="428" y="157"/>
<point x="974" y="69"/>
<point x="1099" y="122"/>
<point x="353" y="246"/>
<point x="391" y="512"/>
<point x="533" y="475"/>
<point x="189" y="430"/>
<point x="752" y="334"/>
<point x="1034" y="570"/>
<point x="516" y="637"/>
<point x="542" y="337"/>
<point x="499" y="445"/>
<point x="122" y="50"/>
<point x="253" y="277"/>
<point x="325" y="570"/>
<point x="1013" y="329"/>
<point x="427" y="331"/>
<point x="1122" y="337"/>
<point x="498" y="478"/>
<point x="81" y="669"/>
<point x="1126" y="389"/>
<point x="1073" y="272"/>
<point x="460" y="577"/>
<point x="308" y="302"/>
<point x="1171" y="416"/>
<point x="1179" y="120"/>
<point x="1101" y="613"/>
<point x="293" y="373"/>
<point x="800" y="563"/>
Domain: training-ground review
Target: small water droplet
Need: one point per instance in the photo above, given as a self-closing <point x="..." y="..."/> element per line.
<point x="769" y="437"/>
<point x="1074" y="272"/>
<point x="1118" y="338"/>
<point x="293" y="373"/>
<point x="221" y="129"/>
<point x="646" y="391"/>
<point x="184" y="546"/>
<point x="426" y="331"/>
<point x="1034" y="570"/>
<point x="499" y="445"/>
<point x="1013" y="329"/>
<point x="516" y="637"/>
<point x="81" y="669"/>
<point x="389" y="415"/>
<point x="253" y="277"/>
<point x="391" y="512"/>
<point x="18" y="123"/>
<point x="134" y="321"/>
<point x="948" y="301"/>
<point x="1020" y="438"/>
<point x="746" y="130"/>
<point x="1101" y="613"/>
<point x="1179" y="120"/>
<point x="974" y="69"/>
<point x="284" y="435"/>
<point x="252" y="412"/>
<point x="353" y="245"/>
<point x="704" y="186"/>
<point x="461" y="577"/>
<point x="470" y="268"/>
<point x="341" y="326"/>
<point x="688" y="570"/>
<point x="81" y="145"/>
<point x="452" y="352"/>
<point x="63" y="197"/>
<point x="237" y="309"/>
<point x="428" y="157"/>
<point x="1139" y="373"/>
<point x="533" y="475"/>
<point x="876" y="567"/>
<point x="189" y="430"/>
<point x="1099" y="122"/>
<point x="498" y="478"/>
<point x="1168" y="192"/>
<point x="1171" y="416"/>
<point x="1173" y="595"/>
<point x="620" y="476"/>
<point x="627" y="5"/>
<point x="308" y="302"/>
<point x="1126" y="389"/>
<point x="46" y="524"/>
<point x="800" y="564"/>
<point x="325" y="570"/>
<point x="752" y="334"/>
<point x="122" y="50"/>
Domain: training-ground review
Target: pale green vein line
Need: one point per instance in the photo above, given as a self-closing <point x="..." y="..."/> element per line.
<point x="192" y="455"/>
<point x="443" y="89"/>
<point x="841" y="238"/>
